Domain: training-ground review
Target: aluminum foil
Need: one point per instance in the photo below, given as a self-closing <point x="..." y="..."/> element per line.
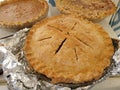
<point x="20" y="76"/>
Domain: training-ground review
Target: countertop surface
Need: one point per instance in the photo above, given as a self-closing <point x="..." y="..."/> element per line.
<point x="109" y="84"/>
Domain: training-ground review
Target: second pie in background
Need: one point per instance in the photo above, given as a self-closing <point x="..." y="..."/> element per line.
<point x="94" y="10"/>
<point x="22" y="13"/>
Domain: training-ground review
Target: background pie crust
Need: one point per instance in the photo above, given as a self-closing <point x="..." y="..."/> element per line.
<point x="68" y="49"/>
<point x="17" y="14"/>
<point x="94" y="10"/>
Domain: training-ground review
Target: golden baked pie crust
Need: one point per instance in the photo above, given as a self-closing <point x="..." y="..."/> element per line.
<point x="94" y="10"/>
<point x="27" y="23"/>
<point x="68" y="50"/>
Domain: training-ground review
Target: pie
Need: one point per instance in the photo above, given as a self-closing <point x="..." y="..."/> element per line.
<point x="94" y="10"/>
<point x="67" y="49"/>
<point x="22" y="13"/>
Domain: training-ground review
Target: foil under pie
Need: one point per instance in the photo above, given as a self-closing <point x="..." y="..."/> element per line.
<point x="20" y="76"/>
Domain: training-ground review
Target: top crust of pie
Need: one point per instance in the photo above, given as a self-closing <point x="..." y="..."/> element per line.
<point x="68" y="49"/>
<point x="22" y="13"/>
<point x="94" y="10"/>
